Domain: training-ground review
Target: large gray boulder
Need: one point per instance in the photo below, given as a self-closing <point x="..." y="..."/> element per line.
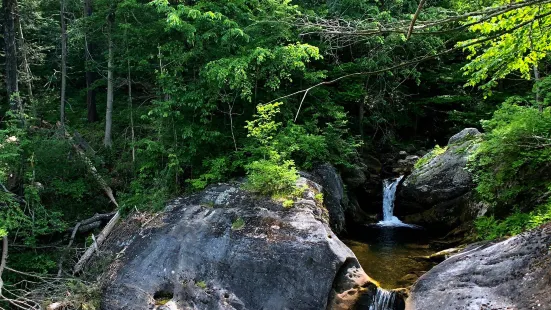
<point x="225" y="248"/>
<point x="341" y="204"/>
<point x="512" y="274"/>
<point x="438" y="192"/>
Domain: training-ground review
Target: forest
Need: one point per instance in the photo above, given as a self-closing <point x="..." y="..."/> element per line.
<point x="111" y="108"/>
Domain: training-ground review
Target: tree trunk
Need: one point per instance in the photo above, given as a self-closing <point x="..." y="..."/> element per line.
<point x="107" y="141"/>
<point x="63" y="63"/>
<point x="536" y="81"/>
<point x="3" y="260"/>
<point x="90" y="76"/>
<point x="10" y="46"/>
<point x="130" y="104"/>
<point x="26" y="68"/>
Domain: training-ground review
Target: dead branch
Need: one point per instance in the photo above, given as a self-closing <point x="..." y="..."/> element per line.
<point x="108" y="191"/>
<point x="419" y="8"/>
<point x="341" y="32"/>
<point x="99" y="241"/>
<point x="414" y="61"/>
<point x="73" y="234"/>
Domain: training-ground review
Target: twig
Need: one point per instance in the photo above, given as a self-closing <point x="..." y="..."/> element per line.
<point x="60" y="265"/>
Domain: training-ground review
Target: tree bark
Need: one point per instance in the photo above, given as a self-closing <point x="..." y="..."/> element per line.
<point x="25" y="66"/>
<point x="131" y="108"/>
<point x="414" y="19"/>
<point x="63" y="63"/>
<point x="107" y="141"/>
<point x="536" y="81"/>
<point x="10" y="46"/>
<point x="98" y="242"/>
<point x="3" y="260"/>
<point x="90" y="76"/>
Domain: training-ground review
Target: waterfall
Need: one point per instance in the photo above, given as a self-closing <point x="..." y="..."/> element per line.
<point x="389" y="194"/>
<point x="384" y="300"/>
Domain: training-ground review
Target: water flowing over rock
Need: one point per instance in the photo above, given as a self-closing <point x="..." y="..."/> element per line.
<point x="225" y="248"/>
<point x="438" y="193"/>
<point x="512" y="274"/>
<point x="389" y="194"/>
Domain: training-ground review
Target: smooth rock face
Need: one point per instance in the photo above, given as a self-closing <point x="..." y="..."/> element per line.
<point x="227" y="249"/>
<point x="438" y="193"/>
<point x="334" y="196"/>
<point x="512" y="274"/>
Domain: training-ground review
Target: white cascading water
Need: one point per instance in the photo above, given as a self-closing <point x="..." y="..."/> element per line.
<point x="383" y="300"/>
<point x="389" y="194"/>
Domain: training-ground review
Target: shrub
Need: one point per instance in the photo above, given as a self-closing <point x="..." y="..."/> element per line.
<point x="511" y="166"/>
<point x="511" y="169"/>
<point x="489" y="228"/>
<point x="274" y="176"/>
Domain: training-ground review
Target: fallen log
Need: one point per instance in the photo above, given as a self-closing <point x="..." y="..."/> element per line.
<point x="99" y="240"/>
<point x="108" y="191"/>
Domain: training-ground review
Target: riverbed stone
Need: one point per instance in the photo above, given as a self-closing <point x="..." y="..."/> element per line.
<point x="511" y="274"/>
<point x="225" y="248"/>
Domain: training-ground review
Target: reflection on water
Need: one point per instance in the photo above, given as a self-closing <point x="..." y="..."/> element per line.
<point x="390" y="255"/>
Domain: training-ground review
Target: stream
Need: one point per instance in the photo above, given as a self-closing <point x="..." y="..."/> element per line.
<point x="390" y="250"/>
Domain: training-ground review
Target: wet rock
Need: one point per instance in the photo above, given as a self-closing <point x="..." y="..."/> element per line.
<point x="438" y="192"/>
<point x="354" y="176"/>
<point x="512" y="274"/>
<point x="373" y="164"/>
<point x="334" y="196"/>
<point x="464" y="135"/>
<point x="225" y="248"/>
<point x="408" y="279"/>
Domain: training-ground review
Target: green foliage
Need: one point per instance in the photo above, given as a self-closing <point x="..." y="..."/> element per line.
<point x="489" y="228"/>
<point x="511" y="163"/>
<point x="264" y="127"/>
<point x="436" y="151"/>
<point x="201" y="284"/>
<point x="218" y="169"/>
<point x="288" y="203"/>
<point x="273" y="176"/>
<point x="25" y="215"/>
<point x="238" y="224"/>
<point x="519" y="50"/>
<point x="205" y="76"/>
<point x="319" y="197"/>
<point x="511" y="168"/>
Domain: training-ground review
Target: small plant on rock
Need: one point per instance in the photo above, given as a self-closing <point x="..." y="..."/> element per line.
<point x="238" y="224"/>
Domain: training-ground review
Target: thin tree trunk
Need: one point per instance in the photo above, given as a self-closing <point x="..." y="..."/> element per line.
<point x="536" y="81"/>
<point x="23" y="48"/>
<point x="3" y="260"/>
<point x="130" y="104"/>
<point x="107" y="141"/>
<point x="10" y="46"/>
<point x="414" y="19"/>
<point x="90" y="76"/>
<point x="63" y="63"/>
<point x="536" y="73"/>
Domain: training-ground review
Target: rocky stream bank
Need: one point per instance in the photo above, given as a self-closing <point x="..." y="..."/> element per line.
<point x="225" y="248"/>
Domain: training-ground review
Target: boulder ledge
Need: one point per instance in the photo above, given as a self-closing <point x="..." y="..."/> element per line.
<point x="226" y="248"/>
<point x="512" y="274"/>
<point x="438" y="193"/>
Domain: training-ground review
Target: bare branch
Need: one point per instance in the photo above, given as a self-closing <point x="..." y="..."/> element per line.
<point x="414" y="61"/>
<point x="419" y="8"/>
